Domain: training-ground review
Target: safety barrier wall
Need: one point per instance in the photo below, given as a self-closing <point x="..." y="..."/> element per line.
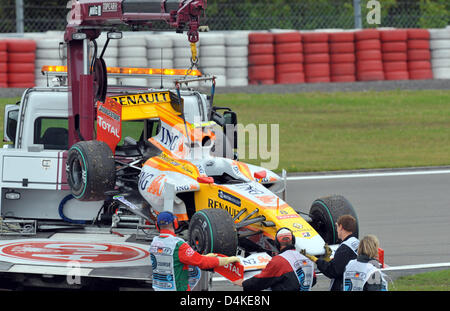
<point x="240" y="58"/>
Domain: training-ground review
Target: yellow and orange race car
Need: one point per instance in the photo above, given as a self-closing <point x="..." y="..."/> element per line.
<point x="224" y="205"/>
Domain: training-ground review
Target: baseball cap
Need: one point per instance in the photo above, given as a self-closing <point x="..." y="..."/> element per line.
<point x="165" y="218"/>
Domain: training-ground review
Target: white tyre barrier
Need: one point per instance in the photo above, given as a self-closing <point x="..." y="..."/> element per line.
<point x="138" y="62"/>
<point x="160" y="53"/>
<point x="133" y="51"/>
<point x="440" y="56"/>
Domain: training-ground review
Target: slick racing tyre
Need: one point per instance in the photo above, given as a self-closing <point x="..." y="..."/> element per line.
<point x="213" y="231"/>
<point x="90" y="170"/>
<point x="325" y="212"/>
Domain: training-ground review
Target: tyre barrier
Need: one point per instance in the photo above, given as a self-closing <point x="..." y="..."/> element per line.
<point x="369" y="62"/>
<point x="239" y="58"/>
<point x="418" y="54"/>
<point x="440" y="53"/>
<point x="3" y="64"/>
<point x="236" y="48"/>
<point x="213" y="56"/>
<point x="261" y="58"/>
<point x="50" y="51"/>
<point x="342" y="57"/>
<point x="316" y="57"/>
<point x="20" y="66"/>
<point x="288" y="48"/>
<point x="394" y="48"/>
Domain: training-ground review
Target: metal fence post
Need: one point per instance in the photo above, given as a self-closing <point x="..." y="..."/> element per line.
<point x="357" y="13"/>
<point x="19" y="16"/>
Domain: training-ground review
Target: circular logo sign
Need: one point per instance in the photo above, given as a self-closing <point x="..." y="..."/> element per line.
<point x="88" y="254"/>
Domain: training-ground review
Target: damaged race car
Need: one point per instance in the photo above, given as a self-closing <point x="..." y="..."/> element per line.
<point x="185" y="161"/>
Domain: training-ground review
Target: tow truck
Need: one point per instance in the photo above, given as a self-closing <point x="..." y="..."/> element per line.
<point x="90" y="166"/>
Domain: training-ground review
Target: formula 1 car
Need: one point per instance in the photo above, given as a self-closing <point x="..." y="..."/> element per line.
<point x="222" y="204"/>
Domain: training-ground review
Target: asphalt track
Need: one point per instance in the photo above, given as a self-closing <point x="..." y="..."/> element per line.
<point x="407" y="209"/>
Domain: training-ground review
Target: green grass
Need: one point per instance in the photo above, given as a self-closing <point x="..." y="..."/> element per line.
<point x="429" y="281"/>
<point x="348" y="130"/>
<point x="359" y="130"/>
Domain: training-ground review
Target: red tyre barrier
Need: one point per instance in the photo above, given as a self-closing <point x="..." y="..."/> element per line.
<point x="289" y="58"/>
<point x="289" y="47"/>
<point x="418" y="34"/>
<point x="394" y="47"/>
<point x="342" y="47"/>
<point x="21" y="45"/>
<point x="289" y="68"/>
<point x="3" y="57"/>
<point x="263" y="59"/>
<point x="260" y="48"/>
<point x="413" y="55"/>
<point x="370" y="44"/>
<point x="395" y="57"/>
<point x="316" y="57"/>
<point x="315" y="47"/>
<point x="396" y="75"/>
<point x="314" y="37"/>
<point x="263" y="37"/>
<point x="317" y="71"/>
<point x="344" y="69"/>
<point x="342" y="58"/>
<point x="341" y="37"/>
<point x="369" y="65"/>
<point x="367" y="34"/>
<point x="287" y="37"/>
<point x="418" y="54"/>
<point x="21" y="57"/>
<point x="421" y="74"/>
<point x="393" y="35"/>
<point x="419" y="44"/>
<point x="349" y="78"/>
<point x="290" y="78"/>
<point x="264" y="72"/>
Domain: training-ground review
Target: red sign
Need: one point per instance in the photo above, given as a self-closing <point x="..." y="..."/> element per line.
<point x="232" y="272"/>
<point x="64" y="252"/>
<point x="109" y="122"/>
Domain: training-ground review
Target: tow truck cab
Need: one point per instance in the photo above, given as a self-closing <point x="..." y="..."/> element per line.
<point x="32" y="171"/>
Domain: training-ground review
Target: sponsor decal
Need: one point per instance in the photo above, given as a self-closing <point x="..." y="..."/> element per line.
<point x="216" y="204"/>
<point x="233" y="271"/>
<point x="95" y="10"/>
<point x="110" y="7"/>
<point x="143" y="99"/>
<point x="109" y="126"/>
<point x="62" y="252"/>
<point x="230" y="198"/>
<point x="288" y="216"/>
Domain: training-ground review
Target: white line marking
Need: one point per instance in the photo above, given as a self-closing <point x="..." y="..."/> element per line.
<point x="365" y="175"/>
<point x="397" y="268"/>
<point x="422" y="266"/>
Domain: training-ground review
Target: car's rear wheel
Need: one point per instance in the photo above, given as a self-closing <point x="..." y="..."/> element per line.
<point x="324" y="214"/>
<point x="213" y="231"/>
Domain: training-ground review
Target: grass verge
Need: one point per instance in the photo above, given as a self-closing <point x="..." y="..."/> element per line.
<point x="357" y="130"/>
<point x="429" y="281"/>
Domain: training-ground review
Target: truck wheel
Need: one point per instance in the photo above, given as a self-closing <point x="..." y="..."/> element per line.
<point x="90" y="170"/>
<point x="213" y="231"/>
<point x="325" y="212"/>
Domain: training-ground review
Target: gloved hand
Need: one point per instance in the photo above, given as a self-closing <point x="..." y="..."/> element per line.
<point x="310" y="257"/>
<point x="223" y="261"/>
<point x="328" y="253"/>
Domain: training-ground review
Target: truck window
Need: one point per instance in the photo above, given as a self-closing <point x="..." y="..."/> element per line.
<point x="135" y="129"/>
<point x="52" y="133"/>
